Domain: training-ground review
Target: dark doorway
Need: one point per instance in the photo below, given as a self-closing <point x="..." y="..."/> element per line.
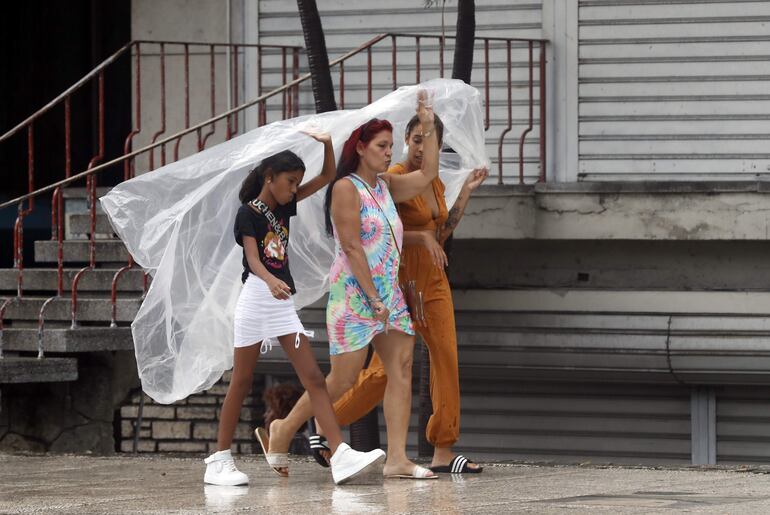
<point x="45" y="47"/>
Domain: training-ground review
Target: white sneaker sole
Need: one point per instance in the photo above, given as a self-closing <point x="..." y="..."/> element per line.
<point x="364" y="467"/>
<point x="209" y="481"/>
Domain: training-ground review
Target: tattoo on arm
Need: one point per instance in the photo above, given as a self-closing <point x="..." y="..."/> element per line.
<point x="452" y="220"/>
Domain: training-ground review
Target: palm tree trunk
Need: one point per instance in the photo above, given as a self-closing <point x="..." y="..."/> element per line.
<point x="463" y="62"/>
<point x="466" y="33"/>
<point x="317" y="58"/>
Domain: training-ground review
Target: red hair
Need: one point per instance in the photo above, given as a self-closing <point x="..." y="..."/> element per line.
<point x="365" y="133"/>
<point x="350" y="159"/>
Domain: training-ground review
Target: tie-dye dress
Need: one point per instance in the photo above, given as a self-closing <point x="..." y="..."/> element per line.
<point x="350" y="321"/>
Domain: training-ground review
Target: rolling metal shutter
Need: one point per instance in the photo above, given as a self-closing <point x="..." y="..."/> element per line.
<point x="570" y="422"/>
<point x="674" y="90"/>
<point x="743" y="425"/>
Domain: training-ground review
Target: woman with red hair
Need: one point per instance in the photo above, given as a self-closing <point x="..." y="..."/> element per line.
<point x="365" y="302"/>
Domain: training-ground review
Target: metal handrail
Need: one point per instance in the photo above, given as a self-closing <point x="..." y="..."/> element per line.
<point x="98" y="168"/>
<point x="439" y="36"/>
<point x="111" y="59"/>
<point x="287" y="86"/>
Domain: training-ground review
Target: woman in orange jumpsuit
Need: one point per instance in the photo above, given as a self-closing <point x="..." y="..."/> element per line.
<point x="427" y="225"/>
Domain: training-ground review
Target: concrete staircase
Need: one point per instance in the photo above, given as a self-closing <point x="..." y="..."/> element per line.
<point x="75" y="376"/>
<point x="92" y="331"/>
<point x="18" y="369"/>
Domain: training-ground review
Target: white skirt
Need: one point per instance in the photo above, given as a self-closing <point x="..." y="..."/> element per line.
<point x="260" y="317"/>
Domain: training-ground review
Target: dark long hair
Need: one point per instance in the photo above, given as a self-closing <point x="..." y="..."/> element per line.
<point x="350" y="159"/>
<point x="285" y="161"/>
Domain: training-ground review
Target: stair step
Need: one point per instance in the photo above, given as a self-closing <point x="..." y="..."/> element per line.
<point x="80" y="225"/>
<point x="15" y="369"/>
<point x="89" y="310"/>
<point x="76" y="200"/>
<point x="80" y="192"/>
<point x="107" y="251"/>
<point x="44" y="280"/>
<point x="81" y="339"/>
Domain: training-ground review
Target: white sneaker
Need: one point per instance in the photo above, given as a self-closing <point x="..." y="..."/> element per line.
<point x="347" y="463"/>
<point x="221" y="470"/>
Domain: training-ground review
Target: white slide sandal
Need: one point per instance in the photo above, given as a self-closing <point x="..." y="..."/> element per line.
<point x="277" y="461"/>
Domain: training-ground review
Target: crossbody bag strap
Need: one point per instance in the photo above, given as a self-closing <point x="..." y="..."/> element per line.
<point x="371" y="194"/>
<point x="417" y="306"/>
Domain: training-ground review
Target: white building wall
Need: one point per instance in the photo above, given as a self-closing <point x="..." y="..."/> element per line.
<point x="637" y="89"/>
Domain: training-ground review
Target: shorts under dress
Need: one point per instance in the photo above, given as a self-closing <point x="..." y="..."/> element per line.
<point x="260" y="317"/>
<point x="350" y="321"/>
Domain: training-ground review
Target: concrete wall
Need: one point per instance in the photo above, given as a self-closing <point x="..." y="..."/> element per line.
<point x="193" y="21"/>
<point x="620" y="211"/>
<point x="661" y="236"/>
<point x="69" y="417"/>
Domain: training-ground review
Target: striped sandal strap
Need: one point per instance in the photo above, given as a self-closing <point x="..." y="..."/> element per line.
<point x="318" y="442"/>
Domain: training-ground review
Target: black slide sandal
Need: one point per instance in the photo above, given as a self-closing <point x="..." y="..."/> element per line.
<point x="458" y="465"/>
<point x="318" y="443"/>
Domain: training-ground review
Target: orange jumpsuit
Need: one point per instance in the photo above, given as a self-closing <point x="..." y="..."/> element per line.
<point x="439" y="334"/>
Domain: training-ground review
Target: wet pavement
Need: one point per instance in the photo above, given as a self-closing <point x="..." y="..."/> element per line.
<point x="161" y="484"/>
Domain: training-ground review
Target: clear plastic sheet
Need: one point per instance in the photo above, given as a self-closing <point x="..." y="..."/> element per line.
<point x="177" y="223"/>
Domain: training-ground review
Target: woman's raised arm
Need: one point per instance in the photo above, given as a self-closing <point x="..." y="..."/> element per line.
<point x="406" y="187"/>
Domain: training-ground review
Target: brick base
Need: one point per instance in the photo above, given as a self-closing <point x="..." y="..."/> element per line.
<point x="190" y="426"/>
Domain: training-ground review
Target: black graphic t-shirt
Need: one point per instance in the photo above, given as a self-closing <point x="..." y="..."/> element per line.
<point x="250" y="222"/>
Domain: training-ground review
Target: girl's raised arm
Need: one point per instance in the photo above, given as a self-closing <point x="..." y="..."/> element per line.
<point x="327" y="172"/>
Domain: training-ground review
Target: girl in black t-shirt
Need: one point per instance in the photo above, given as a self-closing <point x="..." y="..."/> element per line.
<point x="265" y="313"/>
